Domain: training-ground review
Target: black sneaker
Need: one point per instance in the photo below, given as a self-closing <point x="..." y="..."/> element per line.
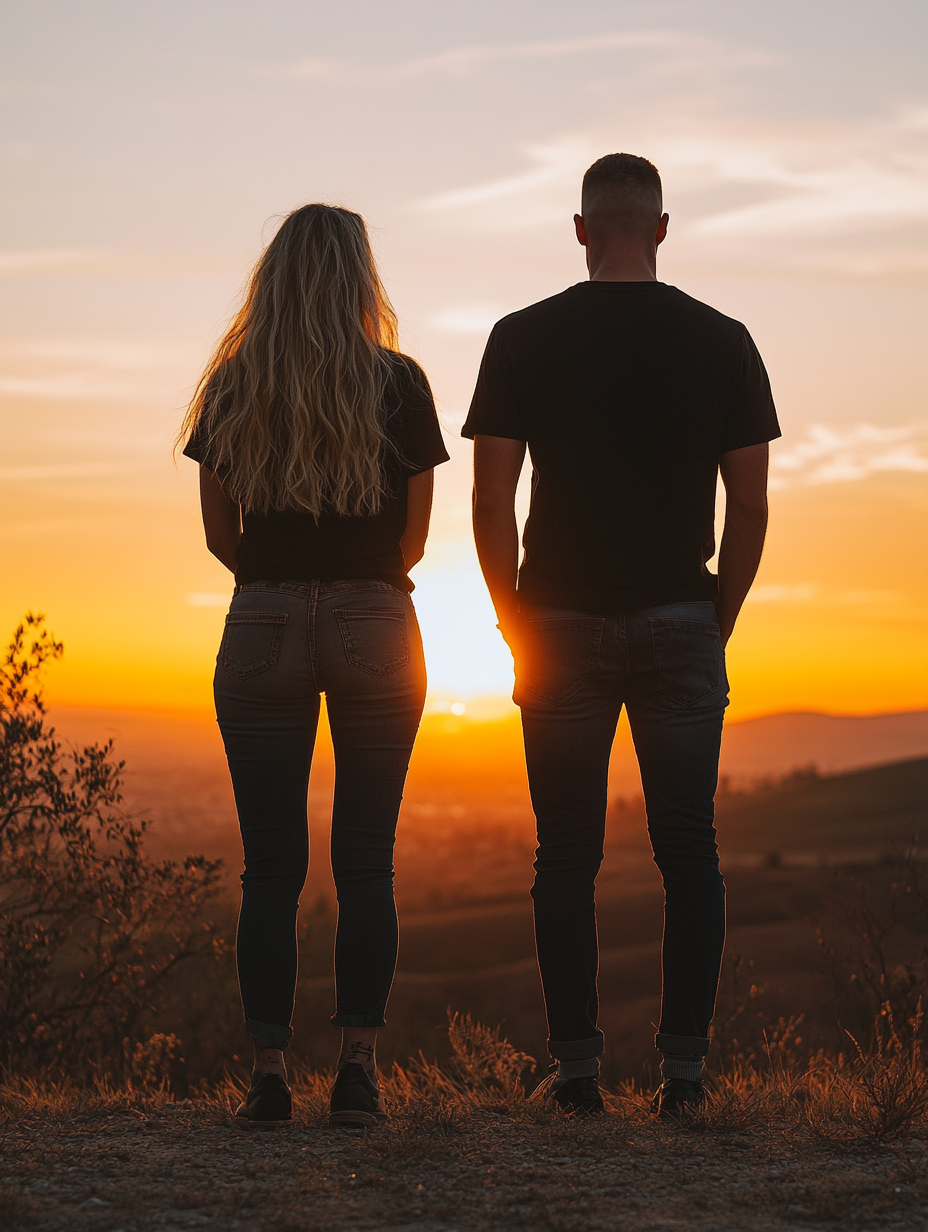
<point x="677" y="1098"/>
<point x="580" y="1096"/>
<point x="266" y="1106"/>
<point x="355" y="1102"/>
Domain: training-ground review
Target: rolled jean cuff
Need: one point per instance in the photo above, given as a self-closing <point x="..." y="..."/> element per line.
<point x="681" y="1045"/>
<point x="358" y="1020"/>
<point x="268" y="1034"/>
<point x="577" y="1050"/>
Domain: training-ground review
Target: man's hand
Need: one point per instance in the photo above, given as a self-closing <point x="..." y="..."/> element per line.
<point x="744" y="473"/>
<point x="497" y="467"/>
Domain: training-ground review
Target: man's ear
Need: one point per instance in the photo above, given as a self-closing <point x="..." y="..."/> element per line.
<point x="580" y="226"/>
<point x="661" y="233"/>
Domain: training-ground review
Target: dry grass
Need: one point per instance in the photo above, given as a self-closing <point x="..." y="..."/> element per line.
<point x="840" y="1143"/>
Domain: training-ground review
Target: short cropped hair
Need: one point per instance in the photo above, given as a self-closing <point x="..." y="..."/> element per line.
<point x="622" y="190"/>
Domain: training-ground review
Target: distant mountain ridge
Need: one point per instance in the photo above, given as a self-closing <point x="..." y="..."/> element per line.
<point x="776" y="744"/>
<point x="832" y="743"/>
<point x="182" y="750"/>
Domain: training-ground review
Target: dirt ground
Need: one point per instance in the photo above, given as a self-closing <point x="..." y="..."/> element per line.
<point x="443" y="1167"/>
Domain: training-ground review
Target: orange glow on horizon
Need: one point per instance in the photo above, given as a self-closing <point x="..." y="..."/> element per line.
<point x="836" y="622"/>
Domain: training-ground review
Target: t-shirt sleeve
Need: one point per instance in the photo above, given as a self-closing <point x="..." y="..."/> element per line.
<point x="495" y="408"/>
<point x="752" y="416"/>
<point x="422" y="446"/>
<point x="196" y="447"/>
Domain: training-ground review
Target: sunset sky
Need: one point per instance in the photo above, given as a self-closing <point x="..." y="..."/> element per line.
<point x="149" y="149"/>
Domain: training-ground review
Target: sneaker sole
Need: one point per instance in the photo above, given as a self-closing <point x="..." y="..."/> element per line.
<point x="348" y="1118"/>
<point x="247" y="1124"/>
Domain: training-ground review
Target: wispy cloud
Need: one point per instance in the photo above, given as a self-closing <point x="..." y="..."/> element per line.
<point x="464" y="61"/>
<point x="821" y="596"/>
<point x="208" y="598"/>
<point x="848" y="198"/>
<point x="98" y="352"/>
<point x="468" y="318"/>
<point x="871" y="177"/>
<point x="554" y="163"/>
<point x="872" y="173"/>
<point x="55" y="471"/>
<point x="783" y="594"/>
<point x="50" y="260"/>
<point x="111" y="261"/>
<point x="81" y="369"/>
<point x="834" y="455"/>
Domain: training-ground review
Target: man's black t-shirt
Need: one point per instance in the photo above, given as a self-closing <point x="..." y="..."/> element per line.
<point x="291" y="546"/>
<point x="628" y="394"/>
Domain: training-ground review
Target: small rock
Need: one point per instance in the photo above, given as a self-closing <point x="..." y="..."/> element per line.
<point x="90" y="1202"/>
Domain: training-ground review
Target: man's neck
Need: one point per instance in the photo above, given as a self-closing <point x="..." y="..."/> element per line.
<point x="622" y="265"/>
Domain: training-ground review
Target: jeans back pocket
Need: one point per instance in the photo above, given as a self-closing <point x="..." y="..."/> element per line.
<point x="251" y="642"/>
<point x="556" y="655"/>
<point x="375" y="638"/>
<point x="689" y="661"/>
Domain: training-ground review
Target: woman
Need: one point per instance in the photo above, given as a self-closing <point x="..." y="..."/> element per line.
<point x="316" y="441"/>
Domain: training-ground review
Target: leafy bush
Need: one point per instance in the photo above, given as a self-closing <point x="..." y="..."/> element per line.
<point x="91" y="929"/>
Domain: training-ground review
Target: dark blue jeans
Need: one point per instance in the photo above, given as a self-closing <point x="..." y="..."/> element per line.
<point x="573" y="675"/>
<point x="284" y="644"/>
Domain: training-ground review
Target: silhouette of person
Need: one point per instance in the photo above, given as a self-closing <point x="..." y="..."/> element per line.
<point x="631" y="397"/>
<point x="316" y="441"/>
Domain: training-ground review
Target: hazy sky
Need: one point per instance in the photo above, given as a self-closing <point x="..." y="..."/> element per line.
<point x="149" y="149"/>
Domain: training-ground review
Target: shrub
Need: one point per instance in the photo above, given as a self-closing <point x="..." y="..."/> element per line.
<point x="874" y="947"/>
<point x="91" y="929"/>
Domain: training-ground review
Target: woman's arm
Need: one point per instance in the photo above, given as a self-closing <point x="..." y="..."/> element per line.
<point x="222" y="519"/>
<point x="418" y="512"/>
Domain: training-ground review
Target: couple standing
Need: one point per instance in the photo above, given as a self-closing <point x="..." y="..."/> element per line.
<point x="317" y="441"/>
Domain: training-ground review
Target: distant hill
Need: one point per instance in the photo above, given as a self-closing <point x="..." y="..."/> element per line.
<point x="775" y="744"/>
<point x="830" y="742"/>
<point x="464" y="772"/>
<point x="868" y="811"/>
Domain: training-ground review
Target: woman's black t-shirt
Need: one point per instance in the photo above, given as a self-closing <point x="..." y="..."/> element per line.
<point x="291" y="546"/>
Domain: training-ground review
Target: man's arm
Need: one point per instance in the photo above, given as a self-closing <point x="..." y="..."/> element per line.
<point x="222" y="519"/>
<point x="744" y="473"/>
<point x="497" y="467"/>
<point x="418" y="514"/>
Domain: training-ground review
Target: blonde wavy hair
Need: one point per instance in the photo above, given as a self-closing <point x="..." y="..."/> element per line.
<point x="289" y="408"/>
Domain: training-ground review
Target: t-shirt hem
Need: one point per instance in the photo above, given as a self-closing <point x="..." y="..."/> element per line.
<point x="429" y="466"/>
<point x="617" y="602"/>
<point x="469" y="433"/>
<point x="398" y="581"/>
<point x="747" y="442"/>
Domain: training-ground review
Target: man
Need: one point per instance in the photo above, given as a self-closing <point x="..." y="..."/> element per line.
<point x="631" y="398"/>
